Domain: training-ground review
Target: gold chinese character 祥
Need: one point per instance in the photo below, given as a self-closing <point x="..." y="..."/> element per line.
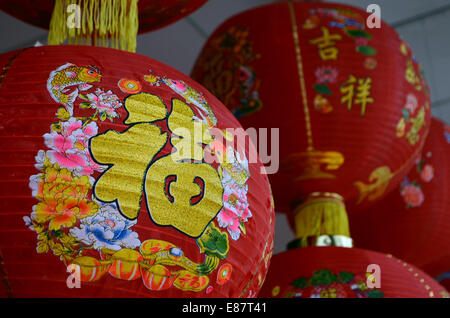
<point x="180" y="190"/>
<point x="359" y="96"/>
<point x="326" y="44"/>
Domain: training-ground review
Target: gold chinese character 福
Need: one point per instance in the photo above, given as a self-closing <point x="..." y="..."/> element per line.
<point x="180" y="190"/>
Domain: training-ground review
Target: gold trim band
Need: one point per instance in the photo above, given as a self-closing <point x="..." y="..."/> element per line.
<point x="301" y="77"/>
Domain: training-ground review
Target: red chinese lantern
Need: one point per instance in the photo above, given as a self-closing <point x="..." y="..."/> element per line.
<point x="115" y="20"/>
<point x="412" y="222"/>
<point x="351" y="103"/>
<point x="103" y="185"/>
<point x="339" y="272"/>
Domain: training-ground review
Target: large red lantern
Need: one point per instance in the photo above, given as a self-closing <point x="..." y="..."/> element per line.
<point x="106" y="182"/>
<point x="351" y="103"/>
<point x="100" y="21"/>
<point x="412" y="222"/>
<point x="338" y="272"/>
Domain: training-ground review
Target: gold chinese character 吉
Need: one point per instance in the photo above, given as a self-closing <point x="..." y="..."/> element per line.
<point x="327" y="46"/>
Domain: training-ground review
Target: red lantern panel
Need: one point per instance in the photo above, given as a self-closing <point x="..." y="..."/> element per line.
<point x="337" y="272"/>
<point x="412" y="222"/>
<point x="103" y="185"/>
<point x="351" y="102"/>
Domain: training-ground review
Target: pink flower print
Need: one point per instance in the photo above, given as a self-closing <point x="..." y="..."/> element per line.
<point x="69" y="148"/>
<point x="106" y="103"/>
<point x="427" y="173"/>
<point x="63" y="151"/>
<point x="411" y="103"/>
<point x="235" y="210"/>
<point x="326" y="74"/>
<point x="412" y="195"/>
<point x="361" y="41"/>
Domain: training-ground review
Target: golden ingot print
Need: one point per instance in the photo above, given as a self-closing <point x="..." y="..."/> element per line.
<point x="190" y="282"/>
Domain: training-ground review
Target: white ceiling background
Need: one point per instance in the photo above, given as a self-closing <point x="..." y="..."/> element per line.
<point x="424" y="25"/>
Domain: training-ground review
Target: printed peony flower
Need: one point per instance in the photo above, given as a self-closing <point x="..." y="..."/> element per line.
<point x="69" y="148"/>
<point x="40" y="160"/>
<point x="34" y="182"/>
<point x="28" y="220"/>
<point x="326" y="74"/>
<point x="107" y="229"/>
<point x="427" y="173"/>
<point x="64" y="198"/>
<point x="106" y="103"/>
<point x="412" y="195"/>
<point x="235" y="210"/>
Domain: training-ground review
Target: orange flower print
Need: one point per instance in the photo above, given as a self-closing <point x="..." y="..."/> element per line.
<point x="64" y="198"/>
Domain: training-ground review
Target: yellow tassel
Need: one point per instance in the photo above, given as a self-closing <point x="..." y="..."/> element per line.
<point x="110" y="23"/>
<point x="321" y="214"/>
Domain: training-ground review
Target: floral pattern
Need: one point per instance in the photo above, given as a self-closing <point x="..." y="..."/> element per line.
<point x="411" y="103"/>
<point x="104" y="103"/>
<point x="326" y="284"/>
<point x="411" y="191"/>
<point x="325" y="75"/>
<point x="235" y="81"/>
<point x="412" y="194"/>
<point x="107" y="229"/>
<point x="427" y="173"/>
<point x="69" y="146"/>
<point x="63" y="197"/>
<point x="412" y="121"/>
<point x="235" y="211"/>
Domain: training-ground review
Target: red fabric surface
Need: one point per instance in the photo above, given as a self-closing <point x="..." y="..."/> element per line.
<point x="253" y="56"/>
<point x="152" y="14"/>
<point x="397" y="279"/>
<point x="27" y="111"/>
<point x="413" y="222"/>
